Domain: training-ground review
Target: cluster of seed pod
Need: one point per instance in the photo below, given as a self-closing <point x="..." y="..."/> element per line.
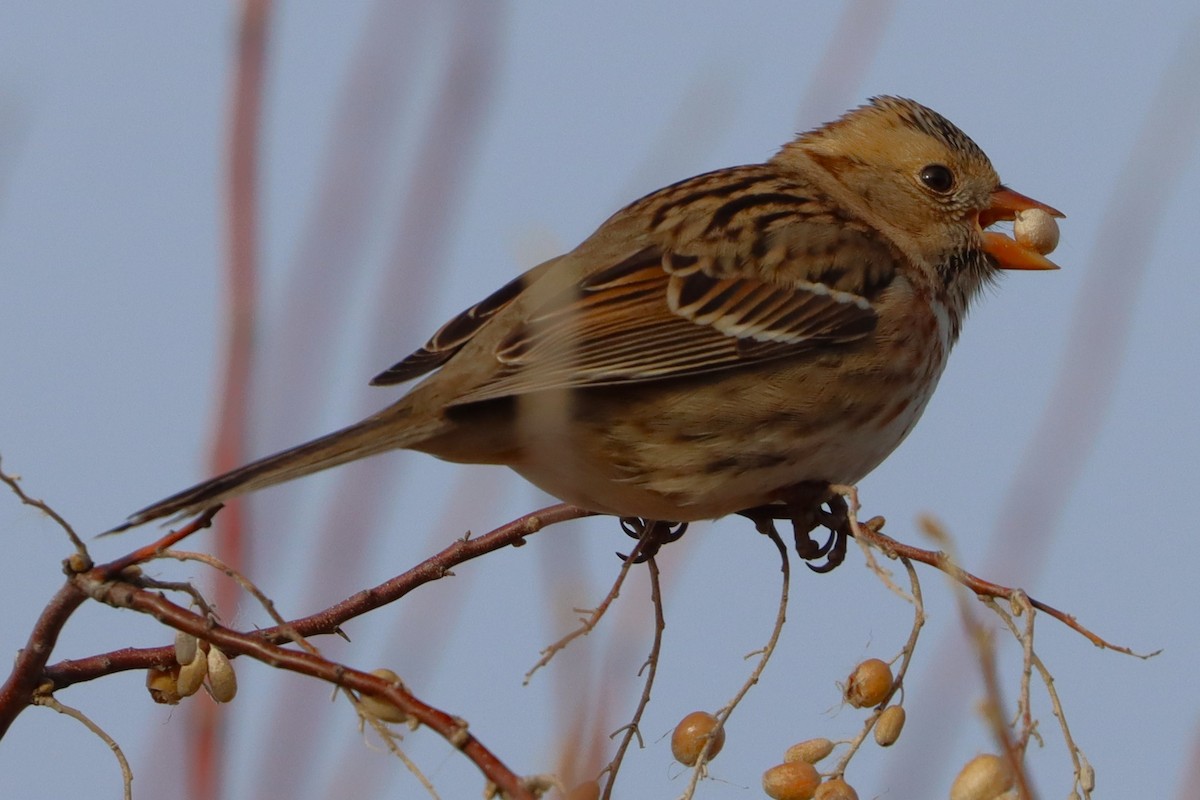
<point x="870" y="684"/>
<point x="797" y="777"/>
<point x="985" y="777"/>
<point x="197" y="663"/>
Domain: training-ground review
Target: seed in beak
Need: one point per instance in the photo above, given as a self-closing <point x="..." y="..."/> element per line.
<point x="1036" y="229"/>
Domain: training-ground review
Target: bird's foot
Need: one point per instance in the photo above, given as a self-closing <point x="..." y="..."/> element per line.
<point x="651" y="535"/>
<point x="809" y="506"/>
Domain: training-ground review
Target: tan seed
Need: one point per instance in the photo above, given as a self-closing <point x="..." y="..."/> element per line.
<point x="889" y="725"/>
<point x="192" y="674"/>
<point x="162" y="685"/>
<point x="1036" y="230"/>
<point x="984" y="777"/>
<point x="794" y="780"/>
<point x="222" y="683"/>
<point x="810" y="750"/>
<point x="836" y="789"/>
<point x="381" y="708"/>
<point x="692" y="734"/>
<point x="869" y="684"/>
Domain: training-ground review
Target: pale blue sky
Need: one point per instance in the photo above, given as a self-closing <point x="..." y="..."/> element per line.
<point x="112" y="124"/>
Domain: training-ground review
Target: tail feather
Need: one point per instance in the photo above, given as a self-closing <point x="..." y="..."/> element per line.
<point x="384" y="431"/>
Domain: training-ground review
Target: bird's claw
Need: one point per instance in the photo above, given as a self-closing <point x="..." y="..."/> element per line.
<point x="651" y="535"/>
<point x="806" y="515"/>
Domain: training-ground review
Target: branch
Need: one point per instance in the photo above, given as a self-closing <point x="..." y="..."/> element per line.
<point x="330" y="620"/>
<point x="453" y="729"/>
<point x="27" y="679"/>
<point x="869" y="532"/>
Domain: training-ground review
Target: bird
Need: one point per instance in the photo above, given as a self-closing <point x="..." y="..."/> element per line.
<point x="716" y="344"/>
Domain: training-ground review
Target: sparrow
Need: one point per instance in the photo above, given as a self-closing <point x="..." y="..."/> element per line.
<point x="716" y="344"/>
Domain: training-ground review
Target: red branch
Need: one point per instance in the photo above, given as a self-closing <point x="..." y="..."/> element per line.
<point x="330" y="619"/>
<point x="27" y="676"/>
<point x="869" y="533"/>
<point x="104" y="583"/>
<point x="453" y="729"/>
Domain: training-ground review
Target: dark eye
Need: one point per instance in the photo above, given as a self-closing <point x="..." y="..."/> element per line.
<point x="937" y="177"/>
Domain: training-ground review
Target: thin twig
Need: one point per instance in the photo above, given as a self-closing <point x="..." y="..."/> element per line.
<point x="13" y="483"/>
<point x="906" y="655"/>
<point x="1024" y="701"/>
<point x="152" y="550"/>
<point x="1084" y="775"/>
<point x="126" y="773"/>
<point x="282" y="625"/>
<point x="699" y="770"/>
<point x="941" y="561"/>
<point x="985" y="649"/>
<point x="632" y="729"/>
<point x="390" y="739"/>
<point x="588" y="623"/>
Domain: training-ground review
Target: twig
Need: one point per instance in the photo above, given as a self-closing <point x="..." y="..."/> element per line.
<point x="183" y="587"/>
<point x="906" y="654"/>
<point x="330" y="620"/>
<point x="126" y="773"/>
<point x="981" y="638"/>
<point x="699" y="770"/>
<point x="152" y="550"/>
<point x="993" y="706"/>
<point x="941" y="561"/>
<point x="381" y="729"/>
<point x="632" y="729"/>
<point x="452" y="729"/>
<point x="1020" y="603"/>
<point x="13" y="483"/>
<point x="588" y="623"/>
<point x="282" y="625"/>
<point x="390" y="738"/>
<point x="1084" y="775"/>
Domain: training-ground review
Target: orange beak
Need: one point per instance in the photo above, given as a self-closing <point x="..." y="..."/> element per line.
<point x="1008" y="253"/>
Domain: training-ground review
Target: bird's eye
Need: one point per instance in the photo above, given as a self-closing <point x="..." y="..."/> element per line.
<point x="938" y="177"/>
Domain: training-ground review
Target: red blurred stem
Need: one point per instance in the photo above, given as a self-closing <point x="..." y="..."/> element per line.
<point x="205" y="763"/>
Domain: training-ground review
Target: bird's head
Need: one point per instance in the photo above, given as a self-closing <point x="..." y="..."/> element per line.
<point x="918" y="177"/>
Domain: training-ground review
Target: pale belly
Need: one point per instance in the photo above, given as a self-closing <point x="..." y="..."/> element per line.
<point x="699" y="452"/>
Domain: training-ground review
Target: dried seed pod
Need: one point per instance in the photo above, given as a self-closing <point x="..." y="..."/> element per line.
<point x="810" y="750"/>
<point x="869" y="684"/>
<point x="1087" y="776"/>
<point x="222" y="683"/>
<point x="192" y="674"/>
<point x="793" y="780"/>
<point x="1036" y="230"/>
<point x="835" y="789"/>
<point x="78" y="562"/>
<point x="889" y="725"/>
<point x="382" y="708"/>
<point x="692" y="734"/>
<point x="984" y="777"/>
<point x="185" y="648"/>
<point x="162" y="685"/>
